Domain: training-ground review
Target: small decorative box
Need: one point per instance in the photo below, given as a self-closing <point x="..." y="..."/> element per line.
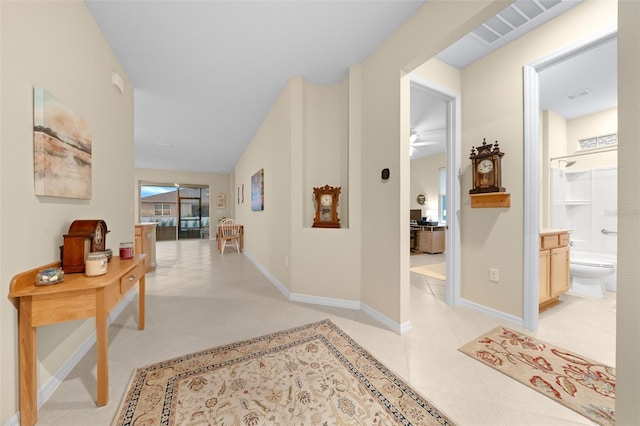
<point x="50" y="276"/>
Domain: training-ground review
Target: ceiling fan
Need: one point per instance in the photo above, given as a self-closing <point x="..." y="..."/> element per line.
<point x="425" y="138"/>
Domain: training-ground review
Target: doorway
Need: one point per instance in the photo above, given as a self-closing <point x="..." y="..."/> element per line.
<point x="438" y="136"/>
<point x="537" y="167"/>
<point x="192" y="213"/>
<point x="180" y="210"/>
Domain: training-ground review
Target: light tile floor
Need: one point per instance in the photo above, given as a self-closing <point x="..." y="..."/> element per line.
<point x="198" y="299"/>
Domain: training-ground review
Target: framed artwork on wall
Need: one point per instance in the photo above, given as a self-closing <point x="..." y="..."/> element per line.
<point x="221" y="201"/>
<point x="61" y="149"/>
<point x="257" y="191"/>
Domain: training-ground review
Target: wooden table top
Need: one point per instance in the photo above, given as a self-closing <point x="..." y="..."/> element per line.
<point x="24" y="284"/>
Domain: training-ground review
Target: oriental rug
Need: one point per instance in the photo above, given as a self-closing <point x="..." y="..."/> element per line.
<point x="583" y="385"/>
<point x="437" y="271"/>
<point x="309" y="375"/>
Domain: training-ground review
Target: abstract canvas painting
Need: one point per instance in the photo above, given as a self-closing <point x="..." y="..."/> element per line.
<point x="61" y="149"/>
<point x="257" y="191"/>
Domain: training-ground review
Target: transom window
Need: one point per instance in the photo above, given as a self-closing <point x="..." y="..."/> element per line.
<point x="598" y="142"/>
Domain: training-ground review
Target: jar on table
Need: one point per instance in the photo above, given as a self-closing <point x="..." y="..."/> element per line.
<point x="126" y="250"/>
<point x="96" y="264"/>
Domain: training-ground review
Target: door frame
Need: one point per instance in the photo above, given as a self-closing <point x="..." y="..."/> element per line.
<point x="452" y="236"/>
<point x="532" y="164"/>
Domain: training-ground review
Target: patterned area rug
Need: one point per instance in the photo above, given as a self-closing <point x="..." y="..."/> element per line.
<point x="437" y="271"/>
<point x="309" y="375"/>
<point x="585" y="386"/>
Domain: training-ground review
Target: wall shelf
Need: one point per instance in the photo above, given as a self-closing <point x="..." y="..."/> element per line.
<point x="490" y="200"/>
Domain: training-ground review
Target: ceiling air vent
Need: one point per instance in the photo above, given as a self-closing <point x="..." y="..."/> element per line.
<point x="514" y="16"/>
<point x="578" y="94"/>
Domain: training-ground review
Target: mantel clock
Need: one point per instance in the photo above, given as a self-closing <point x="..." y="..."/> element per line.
<point x="486" y="168"/>
<point x="326" y="199"/>
<point x="84" y="237"/>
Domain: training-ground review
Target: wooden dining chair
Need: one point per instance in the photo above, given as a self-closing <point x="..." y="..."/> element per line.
<point x="230" y="232"/>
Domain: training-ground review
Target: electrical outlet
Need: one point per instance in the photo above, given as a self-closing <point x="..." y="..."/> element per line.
<point x="286" y="261"/>
<point x="494" y="276"/>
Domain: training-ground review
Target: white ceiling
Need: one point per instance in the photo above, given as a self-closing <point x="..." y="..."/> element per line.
<point x="593" y="71"/>
<point x="206" y="73"/>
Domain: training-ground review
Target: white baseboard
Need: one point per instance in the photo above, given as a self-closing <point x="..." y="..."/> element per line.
<point x="49" y="387"/>
<point x="330" y="301"/>
<point x="393" y="325"/>
<point x="493" y="312"/>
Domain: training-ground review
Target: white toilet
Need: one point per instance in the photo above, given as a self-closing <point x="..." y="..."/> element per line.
<point x="592" y="276"/>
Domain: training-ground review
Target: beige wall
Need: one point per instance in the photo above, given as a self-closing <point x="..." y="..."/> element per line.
<point x="57" y="46"/>
<point x="628" y="291"/>
<point x="267" y="233"/>
<point x="326" y="263"/>
<point x="376" y="232"/>
<point x="326" y="123"/>
<point x="485" y="115"/>
<point x="425" y="179"/>
<point x="436" y="71"/>
<point x="554" y="144"/>
<point x="385" y="144"/>
<point x="217" y="182"/>
<point x="597" y="124"/>
<point x="303" y="144"/>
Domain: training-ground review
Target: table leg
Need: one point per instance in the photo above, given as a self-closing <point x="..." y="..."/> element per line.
<point x="27" y="364"/>
<point x="142" y="284"/>
<point x="101" y="346"/>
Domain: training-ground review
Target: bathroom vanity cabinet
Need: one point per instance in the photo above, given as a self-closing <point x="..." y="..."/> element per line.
<point x="554" y="266"/>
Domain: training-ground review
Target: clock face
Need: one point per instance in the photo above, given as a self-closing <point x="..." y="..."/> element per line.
<point x="99" y="235"/>
<point x="485" y="166"/>
<point x="326" y="200"/>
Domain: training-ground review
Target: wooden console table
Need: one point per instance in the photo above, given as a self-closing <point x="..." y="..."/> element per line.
<point x="77" y="297"/>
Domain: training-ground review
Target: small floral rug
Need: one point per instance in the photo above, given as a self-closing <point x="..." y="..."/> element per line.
<point x="310" y="375"/>
<point x="585" y="386"/>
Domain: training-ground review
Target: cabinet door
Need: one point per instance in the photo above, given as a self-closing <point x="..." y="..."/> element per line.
<point x="438" y="242"/>
<point x="424" y="240"/>
<point x="544" y="292"/>
<point x="559" y="276"/>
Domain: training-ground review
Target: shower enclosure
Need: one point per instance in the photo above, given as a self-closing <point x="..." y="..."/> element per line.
<point x="585" y="201"/>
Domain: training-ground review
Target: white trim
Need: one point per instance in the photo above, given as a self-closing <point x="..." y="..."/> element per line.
<point x="48" y="388"/>
<point x="530" y="270"/>
<point x="503" y="316"/>
<point x="532" y="164"/>
<point x="388" y="322"/>
<point x="325" y="301"/>
<point x="452" y="236"/>
<point x="281" y="287"/>
<point x="330" y="301"/>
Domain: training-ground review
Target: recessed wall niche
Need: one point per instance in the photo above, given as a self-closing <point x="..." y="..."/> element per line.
<point x="326" y="145"/>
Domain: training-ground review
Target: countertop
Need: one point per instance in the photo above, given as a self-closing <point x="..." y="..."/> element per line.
<point x="551" y="231"/>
